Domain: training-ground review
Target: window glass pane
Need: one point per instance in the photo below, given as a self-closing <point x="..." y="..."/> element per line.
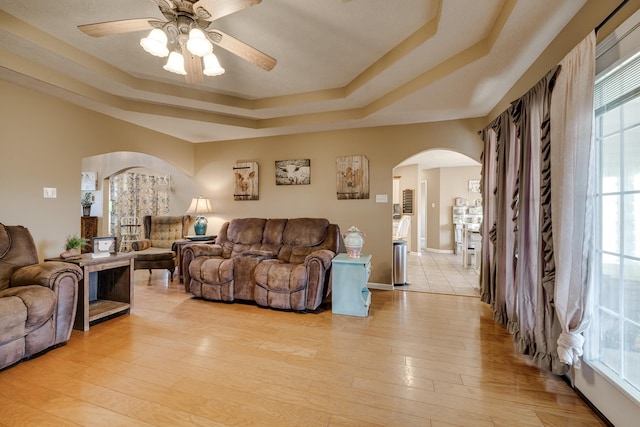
<point x="631" y="112"/>
<point x="611" y="121"/>
<point x="632" y="290"/>
<point x="610" y="283"/>
<point x="611" y="164"/>
<point x="611" y="224"/>
<point x="632" y="354"/>
<point x="610" y="342"/>
<point x="632" y="225"/>
<point x="632" y="159"/>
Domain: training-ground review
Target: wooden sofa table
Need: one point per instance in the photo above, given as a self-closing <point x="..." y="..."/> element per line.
<point x="106" y="288"/>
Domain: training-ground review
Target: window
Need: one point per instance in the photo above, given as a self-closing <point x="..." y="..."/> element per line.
<point x="613" y="343"/>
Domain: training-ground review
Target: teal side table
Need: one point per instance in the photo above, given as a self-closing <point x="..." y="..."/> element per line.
<point x="349" y="288"/>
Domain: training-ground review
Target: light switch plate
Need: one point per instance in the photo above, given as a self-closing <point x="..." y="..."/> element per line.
<point x="49" y="193"/>
<point x="381" y="198"/>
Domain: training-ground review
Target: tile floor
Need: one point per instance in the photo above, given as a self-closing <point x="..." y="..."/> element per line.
<point x="440" y="273"/>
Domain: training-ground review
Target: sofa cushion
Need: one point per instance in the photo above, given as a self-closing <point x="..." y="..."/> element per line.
<point x="243" y="234"/>
<point x="40" y="302"/>
<point x="213" y="271"/>
<point x="281" y="277"/>
<point x="155" y="254"/>
<point x="272" y="236"/>
<point x="300" y="237"/>
<point x="305" y="231"/>
<point x="14" y="316"/>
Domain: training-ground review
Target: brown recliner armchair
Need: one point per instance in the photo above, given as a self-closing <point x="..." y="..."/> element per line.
<point x="156" y="249"/>
<point x="38" y="301"/>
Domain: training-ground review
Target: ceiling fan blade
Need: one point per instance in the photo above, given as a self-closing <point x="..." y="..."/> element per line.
<point x="193" y="67"/>
<point x="242" y="49"/>
<point x="210" y="10"/>
<point x="118" y="27"/>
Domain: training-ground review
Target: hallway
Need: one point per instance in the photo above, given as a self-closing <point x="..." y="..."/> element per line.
<point x="440" y="273"/>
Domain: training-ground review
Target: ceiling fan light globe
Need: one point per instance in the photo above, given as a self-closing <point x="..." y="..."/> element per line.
<point x="198" y="44"/>
<point x="212" y="66"/>
<point x="175" y="64"/>
<point x="155" y="43"/>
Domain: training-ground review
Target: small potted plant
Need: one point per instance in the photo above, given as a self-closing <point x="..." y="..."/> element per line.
<point x="73" y="246"/>
<point x="86" y="202"/>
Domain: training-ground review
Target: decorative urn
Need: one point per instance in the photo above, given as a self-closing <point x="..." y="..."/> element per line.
<point x="353" y="241"/>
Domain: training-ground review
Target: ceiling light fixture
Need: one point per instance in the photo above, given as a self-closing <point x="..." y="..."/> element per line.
<point x="179" y="35"/>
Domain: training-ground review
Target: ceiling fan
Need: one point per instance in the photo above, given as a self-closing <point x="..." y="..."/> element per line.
<point x="187" y="32"/>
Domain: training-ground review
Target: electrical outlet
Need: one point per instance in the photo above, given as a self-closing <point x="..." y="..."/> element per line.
<point x="49" y="193"/>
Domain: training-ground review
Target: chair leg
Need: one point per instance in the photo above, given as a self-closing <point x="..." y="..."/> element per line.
<point x="171" y="271"/>
<point x="149" y="271"/>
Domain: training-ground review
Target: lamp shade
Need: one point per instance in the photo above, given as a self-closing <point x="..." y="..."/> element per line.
<point x="155" y="43"/>
<point x="200" y="206"/>
<point x="212" y="66"/>
<point x="175" y="63"/>
<point x="198" y="43"/>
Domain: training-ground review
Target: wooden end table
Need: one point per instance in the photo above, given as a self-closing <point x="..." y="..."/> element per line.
<point x="106" y="288"/>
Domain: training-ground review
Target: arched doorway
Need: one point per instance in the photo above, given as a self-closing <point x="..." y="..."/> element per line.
<point x="180" y="188"/>
<point x="438" y="178"/>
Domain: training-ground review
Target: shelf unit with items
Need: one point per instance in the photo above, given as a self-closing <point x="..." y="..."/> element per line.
<point x="464" y="217"/>
<point x="130" y="230"/>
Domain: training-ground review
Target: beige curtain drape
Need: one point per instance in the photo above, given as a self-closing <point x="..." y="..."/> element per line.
<point x="538" y="183"/>
<point x="572" y="194"/>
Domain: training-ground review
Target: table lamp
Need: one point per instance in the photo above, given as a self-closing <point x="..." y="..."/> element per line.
<point x="200" y="206"/>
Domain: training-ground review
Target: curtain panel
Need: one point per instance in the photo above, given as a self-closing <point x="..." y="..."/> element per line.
<point x="573" y="185"/>
<point x="538" y="190"/>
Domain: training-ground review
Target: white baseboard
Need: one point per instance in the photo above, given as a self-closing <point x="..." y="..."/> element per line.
<point x="381" y="286"/>
<point x="440" y="251"/>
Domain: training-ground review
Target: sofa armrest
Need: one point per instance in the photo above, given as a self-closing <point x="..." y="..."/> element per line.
<point x="140" y="245"/>
<point x="62" y="278"/>
<point x="324" y="256"/>
<point x="202" y="249"/>
<point x="192" y="251"/>
<point x="44" y="274"/>
<point x="318" y="264"/>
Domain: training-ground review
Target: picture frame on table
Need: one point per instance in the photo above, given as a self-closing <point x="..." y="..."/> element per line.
<point x="103" y="246"/>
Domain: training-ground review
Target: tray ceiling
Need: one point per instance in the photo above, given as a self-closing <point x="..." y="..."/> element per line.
<point x="341" y="63"/>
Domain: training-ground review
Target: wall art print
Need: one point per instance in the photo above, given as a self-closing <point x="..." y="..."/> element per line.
<point x="246" y="181"/>
<point x="352" y="177"/>
<point x="88" y="181"/>
<point x="293" y="172"/>
<point x="474" y="185"/>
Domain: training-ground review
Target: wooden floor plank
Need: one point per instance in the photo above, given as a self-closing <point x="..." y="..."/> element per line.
<point x="417" y="360"/>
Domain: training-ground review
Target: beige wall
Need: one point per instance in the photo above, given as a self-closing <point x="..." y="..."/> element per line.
<point x="43" y="143"/>
<point x="385" y="147"/>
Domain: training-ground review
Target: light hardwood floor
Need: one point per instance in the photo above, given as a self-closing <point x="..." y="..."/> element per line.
<point x="418" y="360"/>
